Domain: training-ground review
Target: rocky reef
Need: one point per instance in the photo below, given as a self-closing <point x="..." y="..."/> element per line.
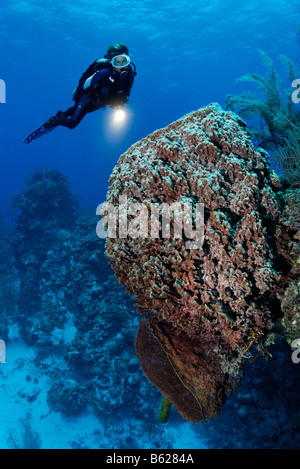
<point x="207" y="307"/>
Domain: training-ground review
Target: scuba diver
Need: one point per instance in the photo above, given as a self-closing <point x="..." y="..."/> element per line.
<point x="106" y="82"/>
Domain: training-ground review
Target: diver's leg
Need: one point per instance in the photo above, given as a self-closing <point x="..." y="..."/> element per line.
<point x="54" y="120"/>
<point x="64" y="118"/>
<point x="68" y="112"/>
<point x="73" y="116"/>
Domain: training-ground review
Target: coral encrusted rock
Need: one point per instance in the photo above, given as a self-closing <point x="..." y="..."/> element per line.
<point x="208" y="303"/>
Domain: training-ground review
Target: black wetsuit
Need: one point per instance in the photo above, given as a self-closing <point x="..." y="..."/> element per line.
<point x="107" y="87"/>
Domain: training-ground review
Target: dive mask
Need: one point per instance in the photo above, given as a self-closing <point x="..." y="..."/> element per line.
<point x="120" y="62"/>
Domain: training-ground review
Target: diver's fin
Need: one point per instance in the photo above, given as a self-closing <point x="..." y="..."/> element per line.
<point x="37" y="133"/>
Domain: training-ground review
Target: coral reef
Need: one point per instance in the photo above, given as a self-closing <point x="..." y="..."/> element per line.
<point x="67" y="397"/>
<point x="45" y="208"/>
<point x="210" y="305"/>
<point x="5" y="244"/>
<point x="9" y="283"/>
<point x="290" y="302"/>
<point x="82" y="333"/>
<point x="288" y="158"/>
<point x="274" y="122"/>
<point x="71" y="307"/>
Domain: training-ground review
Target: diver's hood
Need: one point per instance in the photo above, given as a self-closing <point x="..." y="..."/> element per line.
<point x="120" y="62"/>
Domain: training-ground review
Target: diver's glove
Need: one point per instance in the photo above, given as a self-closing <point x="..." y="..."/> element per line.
<point x="118" y="101"/>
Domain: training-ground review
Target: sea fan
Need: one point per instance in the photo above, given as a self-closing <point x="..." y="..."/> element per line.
<point x="288" y="158"/>
<point x="270" y="113"/>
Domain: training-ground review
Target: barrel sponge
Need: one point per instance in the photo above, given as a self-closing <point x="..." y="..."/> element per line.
<point x="209" y="305"/>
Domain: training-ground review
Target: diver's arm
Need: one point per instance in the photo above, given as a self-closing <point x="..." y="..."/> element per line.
<point x="77" y="93"/>
<point x="94" y="80"/>
<point x="125" y="92"/>
<point x="129" y="82"/>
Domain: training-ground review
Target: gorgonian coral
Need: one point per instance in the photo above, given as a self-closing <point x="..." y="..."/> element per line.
<point x="270" y="112"/>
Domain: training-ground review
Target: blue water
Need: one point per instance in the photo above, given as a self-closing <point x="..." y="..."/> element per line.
<point x="187" y="54"/>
